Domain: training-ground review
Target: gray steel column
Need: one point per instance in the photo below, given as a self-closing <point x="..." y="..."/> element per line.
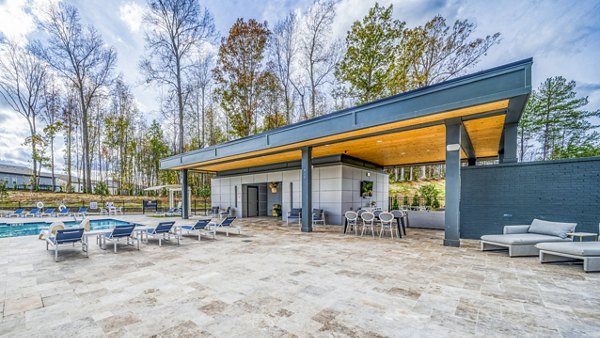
<point x="452" y="211"/>
<point x="307" y="189"/>
<point x="510" y="143"/>
<point x="185" y="203"/>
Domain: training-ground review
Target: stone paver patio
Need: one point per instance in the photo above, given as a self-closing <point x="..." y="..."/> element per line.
<point x="275" y="281"/>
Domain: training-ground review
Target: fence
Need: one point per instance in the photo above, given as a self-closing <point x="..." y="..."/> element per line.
<point x="129" y="207"/>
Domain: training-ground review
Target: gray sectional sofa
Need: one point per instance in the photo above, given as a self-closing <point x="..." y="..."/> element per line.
<point x="588" y="252"/>
<point x="521" y="240"/>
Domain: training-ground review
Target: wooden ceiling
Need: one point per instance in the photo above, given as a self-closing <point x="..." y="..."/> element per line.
<point x="422" y="145"/>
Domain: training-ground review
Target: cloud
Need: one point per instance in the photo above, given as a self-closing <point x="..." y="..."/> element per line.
<point x="15" y="21"/>
<point x="132" y="14"/>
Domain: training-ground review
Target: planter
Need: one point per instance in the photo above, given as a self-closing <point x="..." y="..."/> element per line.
<point x="426" y="219"/>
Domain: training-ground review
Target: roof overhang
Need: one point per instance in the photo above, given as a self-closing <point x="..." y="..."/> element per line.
<point x="407" y="128"/>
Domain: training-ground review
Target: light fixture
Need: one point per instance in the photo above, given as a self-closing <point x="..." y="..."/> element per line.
<point x="379" y="141"/>
<point x="368" y="174"/>
<point x="402" y="153"/>
<point x="453" y="147"/>
<point x="327" y="145"/>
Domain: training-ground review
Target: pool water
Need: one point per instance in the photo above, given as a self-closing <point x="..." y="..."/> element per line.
<point x="34" y="228"/>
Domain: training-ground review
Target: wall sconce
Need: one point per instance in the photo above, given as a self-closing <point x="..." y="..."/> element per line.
<point x="368" y="174"/>
<point x="453" y="147"/>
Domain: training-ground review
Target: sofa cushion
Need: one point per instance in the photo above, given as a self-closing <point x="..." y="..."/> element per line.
<point x="557" y="229"/>
<point x="572" y="248"/>
<point x="522" y="239"/>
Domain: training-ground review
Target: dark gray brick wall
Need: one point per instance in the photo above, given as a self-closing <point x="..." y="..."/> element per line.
<point x="498" y="195"/>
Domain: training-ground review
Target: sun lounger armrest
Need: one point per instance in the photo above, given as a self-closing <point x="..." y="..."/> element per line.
<point x="515" y="229"/>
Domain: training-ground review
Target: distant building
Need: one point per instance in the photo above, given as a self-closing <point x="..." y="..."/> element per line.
<point x="19" y="178"/>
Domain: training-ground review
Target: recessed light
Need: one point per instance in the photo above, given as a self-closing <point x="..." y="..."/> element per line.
<point x="379" y="141"/>
<point x="402" y="153"/>
<point x="327" y="145"/>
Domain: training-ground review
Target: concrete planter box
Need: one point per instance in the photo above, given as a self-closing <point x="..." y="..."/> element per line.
<point x="426" y="219"/>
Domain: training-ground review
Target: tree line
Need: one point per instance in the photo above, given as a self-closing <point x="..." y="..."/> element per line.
<point x="217" y="88"/>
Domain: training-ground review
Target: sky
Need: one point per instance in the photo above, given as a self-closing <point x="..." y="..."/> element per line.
<point x="563" y="37"/>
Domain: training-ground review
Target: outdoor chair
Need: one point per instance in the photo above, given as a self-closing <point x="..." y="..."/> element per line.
<point x="162" y="231"/>
<point x="64" y="212"/>
<point x="17" y="213"/>
<point x="35" y="212"/>
<point x="173" y="212"/>
<point x="521" y="240"/>
<point x="214" y="211"/>
<point x="119" y="232"/>
<point x="81" y="212"/>
<point x="318" y="216"/>
<point x="226" y="225"/>
<point x="48" y="212"/>
<point x="387" y="222"/>
<point x="224" y="213"/>
<point x="66" y="236"/>
<point x="351" y="221"/>
<point x="368" y="222"/>
<point x="293" y="215"/>
<point x="201" y="227"/>
<point x="588" y="252"/>
<point x="360" y="212"/>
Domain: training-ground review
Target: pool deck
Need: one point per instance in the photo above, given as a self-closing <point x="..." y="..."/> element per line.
<point x="275" y="281"/>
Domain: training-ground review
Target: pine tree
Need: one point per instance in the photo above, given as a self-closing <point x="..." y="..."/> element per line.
<point x="558" y="120"/>
<point x="371" y="48"/>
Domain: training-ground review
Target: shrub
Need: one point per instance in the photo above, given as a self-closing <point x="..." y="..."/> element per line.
<point x="101" y="189"/>
<point x="430" y="194"/>
<point x="3" y="191"/>
<point x="416" y="201"/>
<point x="405" y="200"/>
<point x="395" y="203"/>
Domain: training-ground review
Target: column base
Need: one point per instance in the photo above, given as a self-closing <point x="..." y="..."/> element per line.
<point x="303" y="229"/>
<point x="452" y="242"/>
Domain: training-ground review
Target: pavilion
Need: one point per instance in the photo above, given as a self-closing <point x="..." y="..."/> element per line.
<point x="457" y="122"/>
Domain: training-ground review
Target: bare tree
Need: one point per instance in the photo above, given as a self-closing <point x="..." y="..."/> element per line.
<point x="283" y="49"/>
<point x="176" y="31"/>
<point x="22" y="81"/>
<point x="51" y="116"/>
<point x="319" y="55"/>
<point x="436" y="52"/>
<point x="202" y="73"/>
<point x="80" y="55"/>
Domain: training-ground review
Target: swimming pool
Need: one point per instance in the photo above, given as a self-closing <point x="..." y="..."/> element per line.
<point x="34" y="228"/>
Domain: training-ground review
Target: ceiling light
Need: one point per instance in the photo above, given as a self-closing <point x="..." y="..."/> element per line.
<point x="402" y="153"/>
<point x="379" y="141"/>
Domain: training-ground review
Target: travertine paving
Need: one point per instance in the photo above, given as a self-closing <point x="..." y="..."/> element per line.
<point x="275" y="281"/>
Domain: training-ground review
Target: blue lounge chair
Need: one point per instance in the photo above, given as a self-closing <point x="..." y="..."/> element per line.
<point x="35" y="212"/>
<point x="67" y="236"/>
<point x="48" y="212"/>
<point x="162" y="231"/>
<point x="17" y="213"/>
<point x="81" y="212"/>
<point x="202" y="228"/>
<point x="226" y="225"/>
<point x="63" y="212"/>
<point x="122" y="231"/>
<point x="294" y="215"/>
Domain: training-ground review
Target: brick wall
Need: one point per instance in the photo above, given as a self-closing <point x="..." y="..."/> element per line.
<point x="498" y="195"/>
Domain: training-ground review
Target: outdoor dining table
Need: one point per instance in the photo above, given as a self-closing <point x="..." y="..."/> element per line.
<point x="399" y="223"/>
